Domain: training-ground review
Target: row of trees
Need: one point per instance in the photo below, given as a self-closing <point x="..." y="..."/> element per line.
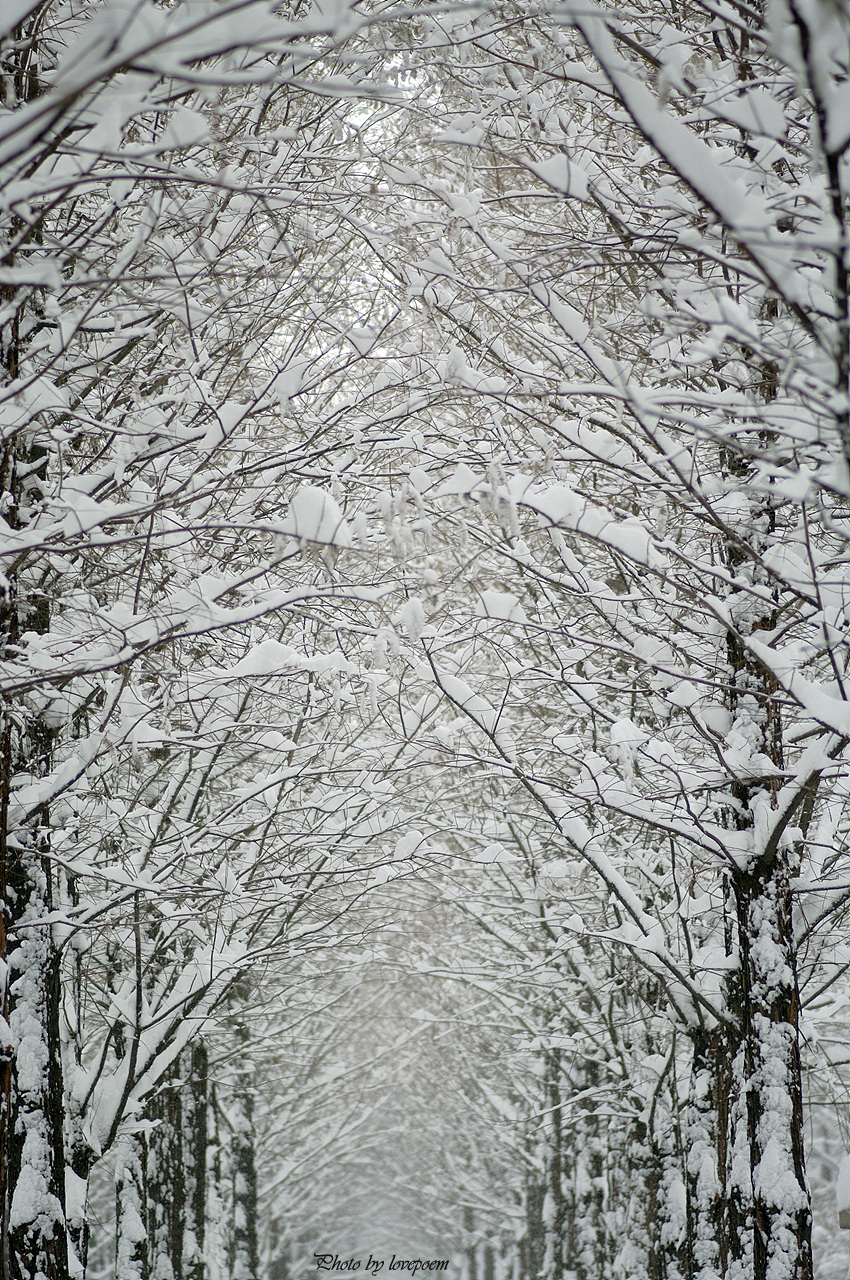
<point x="647" y="387"/>
<point x="179" y="263"/>
<point x="426" y="445"/>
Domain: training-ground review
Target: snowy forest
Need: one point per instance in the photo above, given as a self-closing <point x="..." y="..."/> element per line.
<point x="425" y="627"/>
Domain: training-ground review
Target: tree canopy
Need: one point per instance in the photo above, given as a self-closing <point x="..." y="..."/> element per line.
<point x="424" y="610"/>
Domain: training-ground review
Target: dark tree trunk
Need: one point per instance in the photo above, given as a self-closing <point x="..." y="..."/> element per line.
<point x="166" y="1182"/>
<point x="761" y="1219"/>
<point x="770" y="1057"/>
<point x="32" y="1163"/>
<point x="589" y="1259"/>
<point x="534" y="1242"/>
<point x="37" y="1243"/>
<point x="555" y="1208"/>
<point x="80" y="1161"/>
<point x="132" y="1258"/>
<point x="710" y="1213"/>
<point x="471" y="1244"/>
<point x="195" y="1145"/>
<point x="244" y="1251"/>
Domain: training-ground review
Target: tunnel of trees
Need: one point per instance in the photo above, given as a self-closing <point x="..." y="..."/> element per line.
<point x="424" y="612"/>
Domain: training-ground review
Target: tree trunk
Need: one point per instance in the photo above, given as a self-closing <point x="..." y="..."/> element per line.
<point x="244" y="1253"/>
<point x="219" y="1201"/>
<point x="534" y="1241"/>
<point x="32" y="1163"/>
<point x="757" y="1063"/>
<point x="195" y="1122"/>
<point x="79" y="1157"/>
<point x="131" y="1210"/>
<point x="166" y="1182"/>
<point x="37" y="1243"/>
<point x="554" y="1209"/>
<point x="78" y="1169"/>
<point x="589" y="1258"/>
<point x="471" y="1250"/>
<point x="707" y="1156"/>
<point x="781" y="1220"/>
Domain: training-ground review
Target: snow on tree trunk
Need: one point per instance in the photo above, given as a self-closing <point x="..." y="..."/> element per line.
<point x="767" y="1195"/>
<point x="166" y="1182"/>
<point x="589" y="1258"/>
<point x="769" y="1063"/>
<point x="554" y="1206"/>
<point x="218" y="1201"/>
<point x="244" y="1254"/>
<point x="665" y="1213"/>
<point x="195" y="1120"/>
<point x="131" y="1235"/>
<point x="706" y="1130"/>
<point x="37" y="1241"/>
<point x="32" y="1169"/>
<point x="79" y="1156"/>
<point x="78" y="1167"/>
<point x="533" y="1242"/>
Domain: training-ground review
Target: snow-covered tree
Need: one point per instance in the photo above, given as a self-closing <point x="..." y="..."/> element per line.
<point x="182" y="296"/>
<point x="630" y="269"/>
<point x="517" y="389"/>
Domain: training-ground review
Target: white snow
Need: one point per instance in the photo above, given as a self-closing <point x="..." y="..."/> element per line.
<point x="500" y="604"/>
<point x="314" y="515"/>
<point x="561" y="173"/>
<point x="842" y="1186"/>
